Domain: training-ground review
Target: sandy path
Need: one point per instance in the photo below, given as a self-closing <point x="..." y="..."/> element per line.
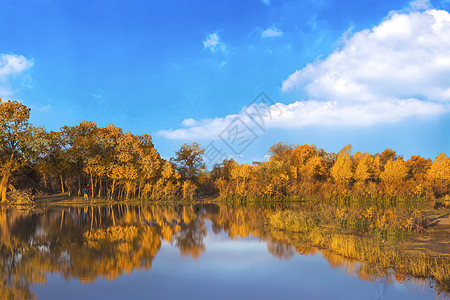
<point x="436" y="238"/>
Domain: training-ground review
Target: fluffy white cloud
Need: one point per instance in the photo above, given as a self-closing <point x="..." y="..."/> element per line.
<point x="406" y="56"/>
<point x="312" y="113"/>
<point x="11" y="65"/>
<point x="214" y="44"/>
<point x="393" y="71"/>
<point x="206" y="128"/>
<point x="271" y="32"/>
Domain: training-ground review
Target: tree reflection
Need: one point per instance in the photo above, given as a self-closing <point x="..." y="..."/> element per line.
<point x="280" y="250"/>
<point x="104" y="242"/>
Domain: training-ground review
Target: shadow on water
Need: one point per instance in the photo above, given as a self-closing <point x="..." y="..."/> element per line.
<point x="91" y="242"/>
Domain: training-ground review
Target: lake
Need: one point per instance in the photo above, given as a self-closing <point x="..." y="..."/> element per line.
<point x="209" y="251"/>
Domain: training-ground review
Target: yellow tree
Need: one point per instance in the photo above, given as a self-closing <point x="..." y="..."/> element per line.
<point x="316" y="168"/>
<point x="168" y="185"/>
<point x="365" y="170"/>
<point x="341" y="171"/>
<point x="240" y="176"/>
<point x="149" y="161"/>
<point x="439" y="174"/>
<point x="300" y="156"/>
<point x="127" y="161"/>
<point x="15" y="140"/>
<point x="52" y="158"/>
<point x="81" y="145"/>
<point x="281" y="152"/>
<point x="418" y="167"/>
<point x="108" y="139"/>
<point x="388" y="155"/>
<point x="394" y="175"/>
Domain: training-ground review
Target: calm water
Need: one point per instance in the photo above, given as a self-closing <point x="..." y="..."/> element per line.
<point x="171" y="252"/>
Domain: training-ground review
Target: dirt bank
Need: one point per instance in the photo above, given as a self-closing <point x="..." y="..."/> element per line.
<point x="435" y="240"/>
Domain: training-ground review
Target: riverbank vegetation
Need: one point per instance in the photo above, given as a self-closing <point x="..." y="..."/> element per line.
<point x="119" y="165"/>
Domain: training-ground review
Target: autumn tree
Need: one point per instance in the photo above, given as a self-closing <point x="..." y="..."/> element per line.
<point x="365" y="169"/>
<point x="168" y="185"/>
<point x="394" y="174"/>
<point x="189" y="161"/>
<point x="386" y="156"/>
<point x="240" y="175"/>
<point x="149" y="162"/>
<point x="281" y="152"/>
<point x="53" y="157"/>
<point x="16" y="140"/>
<point x="341" y="171"/>
<point x="316" y="168"/>
<point x="418" y="167"/>
<point x="81" y="146"/>
<point x="439" y="175"/>
<point x="300" y="157"/>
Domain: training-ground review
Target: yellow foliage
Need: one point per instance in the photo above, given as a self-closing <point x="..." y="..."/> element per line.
<point x="342" y="170"/>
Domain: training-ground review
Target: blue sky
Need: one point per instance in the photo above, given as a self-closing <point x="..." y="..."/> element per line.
<point x="369" y="73"/>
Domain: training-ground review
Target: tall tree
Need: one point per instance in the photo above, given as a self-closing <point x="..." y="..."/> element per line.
<point x="342" y="169"/>
<point x="394" y="174"/>
<point x="16" y="142"/>
<point x="189" y="161"/>
<point x="439" y="174"/>
<point x="53" y="157"/>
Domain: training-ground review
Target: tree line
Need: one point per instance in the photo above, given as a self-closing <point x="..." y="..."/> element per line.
<point x="121" y="165"/>
<point x="304" y="170"/>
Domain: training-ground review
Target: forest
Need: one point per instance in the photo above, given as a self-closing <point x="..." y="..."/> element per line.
<point x="122" y="166"/>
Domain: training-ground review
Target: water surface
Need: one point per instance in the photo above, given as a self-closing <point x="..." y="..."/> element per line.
<point x="170" y="252"/>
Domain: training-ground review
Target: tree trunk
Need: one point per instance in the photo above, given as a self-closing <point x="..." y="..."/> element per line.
<point x="62" y="183"/>
<point x="92" y="185"/>
<point x="79" y="184"/>
<point x="68" y="185"/>
<point x="140" y="188"/>
<point x="5" y="179"/>
<point x="112" y="188"/>
<point x="100" y="188"/>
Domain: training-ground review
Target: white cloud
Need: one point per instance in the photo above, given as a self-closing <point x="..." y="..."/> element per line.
<point x="206" y="128"/>
<point x="11" y="65"/>
<point x="214" y="44"/>
<point x="394" y="71"/>
<point x="406" y="56"/>
<point x="271" y="32"/>
<point x="189" y="122"/>
<point x="314" y="113"/>
<point x="420" y="4"/>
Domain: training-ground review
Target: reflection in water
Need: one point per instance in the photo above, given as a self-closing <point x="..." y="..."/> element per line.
<point x="87" y="243"/>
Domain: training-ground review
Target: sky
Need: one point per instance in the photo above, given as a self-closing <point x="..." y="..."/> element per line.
<point x="236" y="76"/>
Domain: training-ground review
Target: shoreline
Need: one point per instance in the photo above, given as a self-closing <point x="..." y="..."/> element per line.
<point x="433" y="242"/>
